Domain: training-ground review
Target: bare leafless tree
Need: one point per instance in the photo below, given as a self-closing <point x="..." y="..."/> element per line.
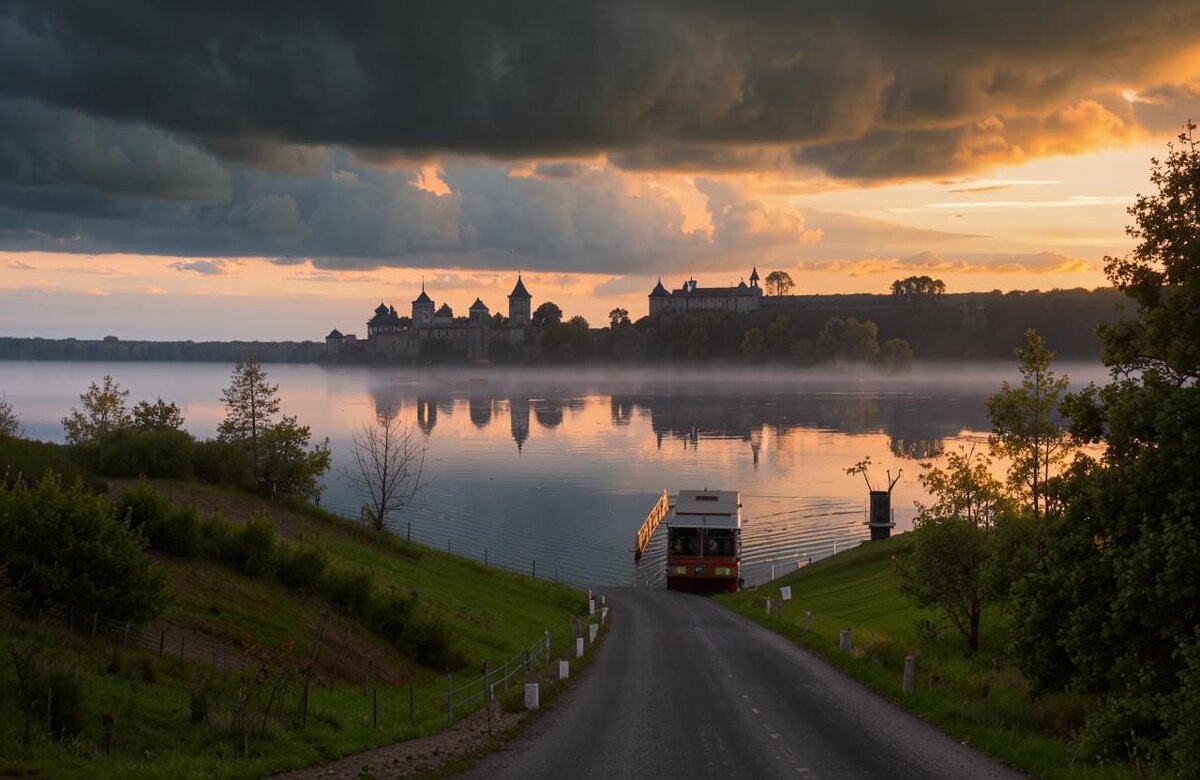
<point x="387" y="466"/>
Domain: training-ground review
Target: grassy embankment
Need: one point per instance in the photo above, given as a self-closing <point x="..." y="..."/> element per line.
<point x="979" y="698"/>
<point x="150" y="716"/>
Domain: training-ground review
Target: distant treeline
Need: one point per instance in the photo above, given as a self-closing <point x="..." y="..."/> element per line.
<point x="808" y="330"/>
<point x="112" y="348"/>
<point x="811" y="329"/>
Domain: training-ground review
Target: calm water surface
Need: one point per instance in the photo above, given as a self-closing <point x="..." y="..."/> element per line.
<point x="557" y="469"/>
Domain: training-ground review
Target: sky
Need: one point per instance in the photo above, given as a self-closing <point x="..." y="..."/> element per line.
<point x="274" y="169"/>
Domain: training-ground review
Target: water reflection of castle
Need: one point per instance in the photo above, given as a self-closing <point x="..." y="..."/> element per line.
<point x="915" y="425"/>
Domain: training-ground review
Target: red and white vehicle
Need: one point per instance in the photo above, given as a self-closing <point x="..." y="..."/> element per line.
<point x="704" y="541"/>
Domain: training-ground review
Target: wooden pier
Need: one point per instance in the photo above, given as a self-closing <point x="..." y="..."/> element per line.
<point x="646" y="532"/>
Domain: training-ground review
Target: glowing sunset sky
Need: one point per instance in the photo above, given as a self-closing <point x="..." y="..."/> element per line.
<point x="272" y="170"/>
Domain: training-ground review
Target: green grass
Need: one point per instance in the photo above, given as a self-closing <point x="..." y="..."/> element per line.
<point x="979" y="698"/>
<point x="490" y="613"/>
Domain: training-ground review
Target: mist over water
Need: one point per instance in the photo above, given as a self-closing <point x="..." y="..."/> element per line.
<point x="558" y="468"/>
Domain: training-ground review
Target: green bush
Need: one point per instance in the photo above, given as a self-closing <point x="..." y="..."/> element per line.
<point x="300" y="567"/>
<point x="127" y="452"/>
<point x="215" y="533"/>
<point x="249" y="548"/>
<point x="169" y="528"/>
<point x="349" y="590"/>
<point x="27" y="459"/>
<point x="66" y="546"/>
<point x="416" y="632"/>
<point x="222" y="463"/>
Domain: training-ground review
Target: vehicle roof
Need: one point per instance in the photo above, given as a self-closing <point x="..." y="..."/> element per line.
<point x="712" y="508"/>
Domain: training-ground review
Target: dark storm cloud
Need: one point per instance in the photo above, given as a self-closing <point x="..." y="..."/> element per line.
<point x="540" y="78"/>
<point x="352" y="215"/>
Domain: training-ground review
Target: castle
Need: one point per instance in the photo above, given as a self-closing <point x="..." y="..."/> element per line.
<point x="692" y="298"/>
<point x="433" y="330"/>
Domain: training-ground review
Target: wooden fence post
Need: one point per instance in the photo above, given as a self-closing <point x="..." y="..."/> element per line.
<point x="375" y="708"/>
<point x="412" y="716"/>
<point x="126" y="642"/>
<point x="162" y="642"/>
<point x="449" y="697"/>
<point x="95" y="621"/>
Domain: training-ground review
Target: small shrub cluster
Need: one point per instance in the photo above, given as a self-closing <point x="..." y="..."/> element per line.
<point x="300" y="567"/>
<point x="104" y="568"/>
<point x="222" y="463"/>
<point x="249" y="548"/>
<point x="168" y="528"/>
<point x="348" y="590"/>
<point x="128" y="452"/>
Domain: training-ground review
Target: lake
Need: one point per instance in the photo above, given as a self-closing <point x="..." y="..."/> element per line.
<point x="556" y="469"/>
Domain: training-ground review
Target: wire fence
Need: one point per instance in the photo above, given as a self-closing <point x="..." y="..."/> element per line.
<point x="464" y="693"/>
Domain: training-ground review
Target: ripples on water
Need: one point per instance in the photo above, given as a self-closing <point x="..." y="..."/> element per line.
<point x="557" y="469"/>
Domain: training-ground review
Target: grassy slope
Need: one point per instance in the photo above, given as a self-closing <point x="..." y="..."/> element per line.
<point x="491" y="613"/>
<point x="980" y="698"/>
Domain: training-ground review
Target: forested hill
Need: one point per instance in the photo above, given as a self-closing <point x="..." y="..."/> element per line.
<point x="967" y="325"/>
<point x="112" y="348"/>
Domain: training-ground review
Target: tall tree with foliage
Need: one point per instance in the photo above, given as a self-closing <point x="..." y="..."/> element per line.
<point x="546" y="314"/>
<point x="1112" y="607"/>
<point x="104" y="411"/>
<point x="946" y="563"/>
<point x="618" y="317"/>
<point x="1026" y="428"/>
<point x="280" y="457"/>
<point x="779" y="283"/>
<point x="251" y="404"/>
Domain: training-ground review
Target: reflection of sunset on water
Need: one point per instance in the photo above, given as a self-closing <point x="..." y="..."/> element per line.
<point x="561" y="467"/>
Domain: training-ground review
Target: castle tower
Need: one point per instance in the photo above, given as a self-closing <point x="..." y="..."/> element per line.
<point x="658" y="298"/>
<point x="479" y="313"/>
<point x="518" y="305"/>
<point x="754" y="277"/>
<point x="422" y="309"/>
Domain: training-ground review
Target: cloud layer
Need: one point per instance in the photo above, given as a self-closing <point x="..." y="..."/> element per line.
<point x="311" y="130"/>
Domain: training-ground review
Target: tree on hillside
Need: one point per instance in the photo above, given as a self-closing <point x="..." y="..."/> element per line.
<point x="104" y="411"/>
<point x="618" y="317"/>
<point x="579" y="322"/>
<point x="1162" y="274"/>
<point x="945" y="565"/>
<point x="779" y="283"/>
<point x="250" y="408"/>
<point x="387" y="465"/>
<point x="1111" y="608"/>
<point x="157" y="416"/>
<point x="289" y="466"/>
<point x="1025" y="429"/>
<point x="280" y="458"/>
<point x="546" y="314"/>
<point x="9" y="424"/>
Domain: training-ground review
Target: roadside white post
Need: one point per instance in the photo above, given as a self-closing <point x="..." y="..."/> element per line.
<point x="579" y="647"/>
<point x="844" y="640"/>
<point x="531" y="696"/>
<point x="808" y="620"/>
<point x="592" y="629"/>
<point x="910" y="672"/>
<point x="591" y="606"/>
<point x="768" y="606"/>
<point x="603" y="600"/>
<point x="564" y="669"/>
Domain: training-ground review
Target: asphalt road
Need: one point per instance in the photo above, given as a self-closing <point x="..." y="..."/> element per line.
<point x="684" y="688"/>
